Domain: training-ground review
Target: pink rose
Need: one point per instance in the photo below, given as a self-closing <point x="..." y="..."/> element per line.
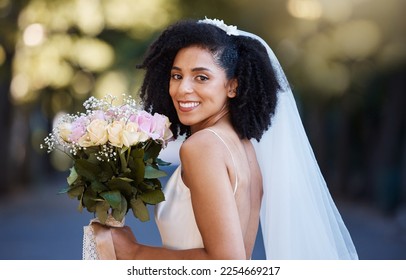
<point x="144" y="120"/>
<point x="156" y="126"/>
<point x="78" y="129"/>
<point x="98" y="115"/>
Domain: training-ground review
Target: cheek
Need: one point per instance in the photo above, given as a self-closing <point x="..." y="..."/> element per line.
<point x="172" y="90"/>
<point x="172" y="94"/>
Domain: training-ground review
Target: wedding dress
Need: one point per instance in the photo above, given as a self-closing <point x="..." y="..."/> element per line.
<point x="174" y="216"/>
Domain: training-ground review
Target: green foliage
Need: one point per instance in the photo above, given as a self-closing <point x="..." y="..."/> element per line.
<point x="130" y="181"/>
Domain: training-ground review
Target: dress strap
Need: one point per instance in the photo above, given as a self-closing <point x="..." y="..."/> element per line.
<point x="232" y="158"/>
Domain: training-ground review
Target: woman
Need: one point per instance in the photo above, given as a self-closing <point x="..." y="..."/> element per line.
<point x="220" y="86"/>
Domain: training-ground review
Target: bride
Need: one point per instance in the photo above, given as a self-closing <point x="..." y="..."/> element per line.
<point x="246" y="157"/>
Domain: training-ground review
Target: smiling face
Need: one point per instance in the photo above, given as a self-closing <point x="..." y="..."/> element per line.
<point x="199" y="88"/>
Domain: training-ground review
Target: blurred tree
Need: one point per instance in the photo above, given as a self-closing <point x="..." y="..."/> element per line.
<point x="9" y="12"/>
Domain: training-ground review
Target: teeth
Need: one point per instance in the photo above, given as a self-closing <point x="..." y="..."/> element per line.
<point x="189" y="104"/>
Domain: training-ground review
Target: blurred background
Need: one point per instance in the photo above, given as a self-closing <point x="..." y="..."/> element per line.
<point x="346" y="61"/>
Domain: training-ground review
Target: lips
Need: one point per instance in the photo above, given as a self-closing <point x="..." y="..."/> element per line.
<point x="188" y="106"/>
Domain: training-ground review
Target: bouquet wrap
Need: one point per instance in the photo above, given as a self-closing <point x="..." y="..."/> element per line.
<point x="98" y="242"/>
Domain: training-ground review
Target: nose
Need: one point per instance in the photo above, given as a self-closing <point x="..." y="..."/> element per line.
<point x="185" y="86"/>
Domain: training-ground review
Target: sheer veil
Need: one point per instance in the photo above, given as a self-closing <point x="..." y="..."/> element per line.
<point x="299" y="219"/>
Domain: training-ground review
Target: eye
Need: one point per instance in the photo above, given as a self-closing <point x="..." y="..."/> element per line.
<point x="202" y="78"/>
<point x="176" y="76"/>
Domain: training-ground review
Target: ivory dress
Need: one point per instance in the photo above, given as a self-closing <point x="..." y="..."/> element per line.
<point x="174" y="216"/>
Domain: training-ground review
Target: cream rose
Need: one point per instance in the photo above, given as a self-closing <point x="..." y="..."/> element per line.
<point x="84" y="141"/>
<point x="65" y="130"/>
<point x="115" y="133"/>
<point x="168" y="132"/>
<point x="131" y="136"/>
<point x="97" y="132"/>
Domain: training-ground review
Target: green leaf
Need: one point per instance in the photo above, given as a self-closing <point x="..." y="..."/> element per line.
<point x="146" y="186"/>
<point x="80" y="206"/>
<point x="72" y="176"/>
<point x="140" y="211"/>
<point x="76" y="191"/>
<point x="89" y="200"/>
<point x="119" y="214"/>
<point x="123" y="162"/>
<point x="153" y="173"/>
<point x="113" y="198"/>
<point x="106" y="173"/>
<point x="65" y="190"/>
<point x="87" y="169"/>
<point x="137" y="153"/>
<point x="98" y="187"/>
<point x="120" y="185"/>
<point x="137" y="167"/>
<point x="160" y="162"/>
<point x="152" y="197"/>
<point x="125" y="179"/>
<point x="152" y="151"/>
<point x="102" y="208"/>
<point x="93" y="158"/>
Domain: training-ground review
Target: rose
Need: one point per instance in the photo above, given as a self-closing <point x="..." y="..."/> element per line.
<point x="144" y="120"/>
<point x="99" y="114"/>
<point x="78" y="129"/>
<point x="96" y="134"/>
<point x="115" y="133"/>
<point x="97" y="131"/>
<point x="156" y="126"/>
<point x="131" y="135"/>
<point x="65" y="131"/>
<point x="161" y="127"/>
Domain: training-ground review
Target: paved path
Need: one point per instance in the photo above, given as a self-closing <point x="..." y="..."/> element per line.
<point x="40" y="224"/>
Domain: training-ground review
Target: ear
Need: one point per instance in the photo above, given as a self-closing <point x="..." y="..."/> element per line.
<point x="232" y="88"/>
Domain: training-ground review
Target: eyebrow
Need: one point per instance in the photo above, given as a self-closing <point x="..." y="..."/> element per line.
<point x="196" y="69"/>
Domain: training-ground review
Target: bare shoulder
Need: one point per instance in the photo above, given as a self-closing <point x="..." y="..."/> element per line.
<point x="202" y="144"/>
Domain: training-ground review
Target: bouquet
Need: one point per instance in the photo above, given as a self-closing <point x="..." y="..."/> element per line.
<point x="114" y="150"/>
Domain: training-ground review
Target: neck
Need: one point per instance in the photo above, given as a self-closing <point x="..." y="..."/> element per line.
<point x="223" y="116"/>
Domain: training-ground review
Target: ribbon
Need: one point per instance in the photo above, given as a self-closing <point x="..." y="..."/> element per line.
<point x="103" y="238"/>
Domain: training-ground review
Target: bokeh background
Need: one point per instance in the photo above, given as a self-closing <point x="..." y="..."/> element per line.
<point x="346" y="61"/>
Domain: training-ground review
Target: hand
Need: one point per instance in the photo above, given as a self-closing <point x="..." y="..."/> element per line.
<point x="125" y="243"/>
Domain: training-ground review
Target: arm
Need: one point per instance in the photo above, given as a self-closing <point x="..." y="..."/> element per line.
<point x="205" y="173"/>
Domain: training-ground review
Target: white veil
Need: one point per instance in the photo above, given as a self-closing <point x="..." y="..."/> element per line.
<point x="299" y="219"/>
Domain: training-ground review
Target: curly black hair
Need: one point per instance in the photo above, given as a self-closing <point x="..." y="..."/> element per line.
<point x="241" y="57"/>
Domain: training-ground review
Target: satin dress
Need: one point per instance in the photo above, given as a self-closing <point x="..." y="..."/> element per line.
<point x="174" y="216"/>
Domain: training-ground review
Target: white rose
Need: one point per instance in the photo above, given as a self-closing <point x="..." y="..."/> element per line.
<point x="65" y="130"/>
<point x="168" y="132"/>
<point x="84" y="141"/>
<point x="115" y="133"/>
<point x="97" y="132"/>
<point x="131" y="136"/>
